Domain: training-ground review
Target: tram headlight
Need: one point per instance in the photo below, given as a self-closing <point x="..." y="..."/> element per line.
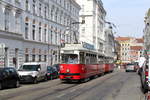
<point x="83" y="68"/>
<point x="61" y="67"/>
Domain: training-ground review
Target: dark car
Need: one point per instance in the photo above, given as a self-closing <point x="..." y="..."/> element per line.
<point x="9" y="77"/>
<point x="52" y="72"/>
<point x="56" y="66"/>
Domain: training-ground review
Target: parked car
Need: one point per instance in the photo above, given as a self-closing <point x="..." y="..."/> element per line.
<point x="144" y="77"/>
<point x="33" y="72"/>
<point x="56" y="66"/>
<point x="9" y="77"/>
<point x="52" y="72"/>
<point x="131" y="67"/>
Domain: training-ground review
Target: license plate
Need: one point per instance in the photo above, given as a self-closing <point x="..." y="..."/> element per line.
<point x="68" y="77"/>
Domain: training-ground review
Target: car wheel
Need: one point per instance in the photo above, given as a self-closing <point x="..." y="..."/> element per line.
<point x="1" y="86"/>
<point x="45" y="78"/>
<point x="17" y="84"/>
<point x="51" y="77"/>
<point x="35" y="81"/>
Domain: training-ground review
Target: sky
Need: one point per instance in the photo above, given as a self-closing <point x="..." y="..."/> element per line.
<point x="127" y="15"/>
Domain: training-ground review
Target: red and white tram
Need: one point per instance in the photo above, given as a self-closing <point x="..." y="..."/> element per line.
<point x="80" y="62"/>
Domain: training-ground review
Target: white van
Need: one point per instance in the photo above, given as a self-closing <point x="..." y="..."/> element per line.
<point x="33" y="72"/>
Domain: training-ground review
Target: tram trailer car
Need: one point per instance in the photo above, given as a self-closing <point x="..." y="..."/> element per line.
<point x="109" y="68"/>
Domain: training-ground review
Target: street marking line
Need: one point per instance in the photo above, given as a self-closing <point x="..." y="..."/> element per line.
<point x="73" y="90"/>
<point x="61" y="95"/>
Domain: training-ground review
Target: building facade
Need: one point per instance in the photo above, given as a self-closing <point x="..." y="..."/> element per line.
<point x="117" y="52"/>
<point x="135" y="53"/>
<point x="109" y="42"/>
<point x="11" y="35"/>
<point x="92" y="31"/>
<point x="34" y="30"/>
<point x="147" y="31"/>
<point x="131" y="48"/>
<point x="125" y="43"/>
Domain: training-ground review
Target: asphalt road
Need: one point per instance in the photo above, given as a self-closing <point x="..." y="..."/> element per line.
<point x="118" y="85"/>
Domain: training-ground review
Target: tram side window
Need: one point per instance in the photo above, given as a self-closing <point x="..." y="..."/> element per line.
<point x="87" y="58"/>
<point x="82" y="58"/>
<point x="101" y="59"/>
<point x="70" y="58"/>
<point x="91" y="58"/>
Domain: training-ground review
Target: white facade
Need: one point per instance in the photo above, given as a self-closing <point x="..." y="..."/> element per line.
<point x="38" y="28"/>
<point x="49" y="22"/>
<point x="109" y="42"/>
<point x="92" y="32"/>
<point x="147" y="31"/>
<point x="10" y="33"/>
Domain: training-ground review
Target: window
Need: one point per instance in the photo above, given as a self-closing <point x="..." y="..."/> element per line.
<point x="7" y="14"/>
<point x="56" y="17"/>
<point x="18" y="22"/>
<point x="33" y="57"/>
<point x="33" y="7"/>
<point x="26" y="58"/>
<point x="56" y="36"/>
<point x="45" y="35"/>
<point x="45" y="58"/>
<point x="26" y="30"/>
<point x="33" y="32"/>
<point x="40" y="10"/>
<point x="27" y="5"/>
<point x="45" y="12"/>
<point x="40" y="32"/>
<point x="40" y="58"/>
<point x="52" y="16"/>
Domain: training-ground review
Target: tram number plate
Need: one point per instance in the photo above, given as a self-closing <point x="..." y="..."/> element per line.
<point x="68" y="77"/>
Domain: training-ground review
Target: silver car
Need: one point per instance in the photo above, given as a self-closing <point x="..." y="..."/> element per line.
<point x="130" y="67"/>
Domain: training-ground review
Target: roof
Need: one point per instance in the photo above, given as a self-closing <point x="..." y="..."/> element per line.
<point x="34" y="63"/>
<point x="136" y="47"/>
<point x="123" y="38"/>
<point x="140" y="40"/>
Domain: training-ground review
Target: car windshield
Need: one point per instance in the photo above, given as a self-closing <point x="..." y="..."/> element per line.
<point x="129" y="64"/>
<point x="29" y="68"/>
<point x="49" y="69"/>
<point x="1" y="70"/>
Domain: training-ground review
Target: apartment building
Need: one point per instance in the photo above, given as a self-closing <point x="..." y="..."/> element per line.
<point x="109" y="42"/>
<point x="147" y="31"/>
<point x="11" y="35"/>
<point x="34" y="30"/>
<point x="131" y="48"/>
<point x="92" y="32"/>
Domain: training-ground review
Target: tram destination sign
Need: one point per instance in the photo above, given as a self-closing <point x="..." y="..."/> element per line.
<point x="88" y="46"/>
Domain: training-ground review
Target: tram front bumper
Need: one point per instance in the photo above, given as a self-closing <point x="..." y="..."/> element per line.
<point x="73" y="76"/>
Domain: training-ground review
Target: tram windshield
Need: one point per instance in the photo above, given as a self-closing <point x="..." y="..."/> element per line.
<point x="70" y="58"/>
